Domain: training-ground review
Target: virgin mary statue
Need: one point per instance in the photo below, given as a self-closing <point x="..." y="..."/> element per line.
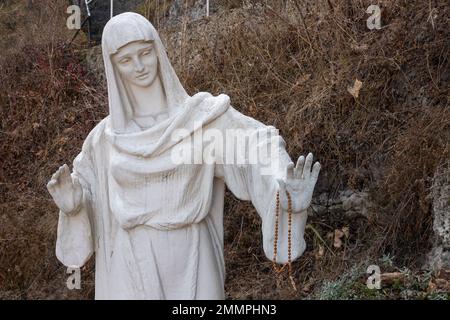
<point x="155" y="224"/>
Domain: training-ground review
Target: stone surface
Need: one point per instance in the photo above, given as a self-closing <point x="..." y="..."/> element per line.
<point x="439" y="257"/>
<point x="350" y="203"/>
<point x="191" y="10"/>
<point x="94" y="63"/>
<point x="194" y="10"/>
<point x="100" y="13"/>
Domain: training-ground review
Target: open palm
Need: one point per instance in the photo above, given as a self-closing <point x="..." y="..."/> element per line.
<point x="66" y="192"/>
<point x="300" y="182"/>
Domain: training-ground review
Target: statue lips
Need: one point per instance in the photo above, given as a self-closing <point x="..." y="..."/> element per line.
<point x="142" y="76"/>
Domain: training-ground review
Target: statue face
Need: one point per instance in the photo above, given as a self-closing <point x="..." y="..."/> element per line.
<point x="137" y="63"/>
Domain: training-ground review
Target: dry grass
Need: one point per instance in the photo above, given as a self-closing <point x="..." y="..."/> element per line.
<point x="283" y="64"/>
<point x="48" y="105"/>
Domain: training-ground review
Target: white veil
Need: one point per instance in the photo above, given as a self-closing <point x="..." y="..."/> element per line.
<point x="120" y="30"/>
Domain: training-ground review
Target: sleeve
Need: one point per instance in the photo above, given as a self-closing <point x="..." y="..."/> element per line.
<point x="74" y="243"/>
<point x="256" y="180"/>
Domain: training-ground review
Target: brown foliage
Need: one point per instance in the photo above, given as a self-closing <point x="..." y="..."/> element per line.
<point x="48" y="106"/>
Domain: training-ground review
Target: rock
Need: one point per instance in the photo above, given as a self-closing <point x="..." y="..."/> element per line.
<point x="100" y="14"/>
<point x="439" y="257"/>
<point x="350" y="203"/>
<point x="195" y="10"/>
<point x="355" y="203"/>
<point x="94" y="63"/>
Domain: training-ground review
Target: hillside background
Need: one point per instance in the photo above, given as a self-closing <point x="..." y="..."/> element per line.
<point x="372" y="105"/>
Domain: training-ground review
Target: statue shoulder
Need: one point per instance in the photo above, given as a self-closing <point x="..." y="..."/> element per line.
<point x="207" y="102"/>
<point x="238" y="120"/>
<point x="95" y="135"/>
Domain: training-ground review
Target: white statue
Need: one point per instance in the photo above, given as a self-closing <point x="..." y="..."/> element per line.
<point x="156" y="226"/>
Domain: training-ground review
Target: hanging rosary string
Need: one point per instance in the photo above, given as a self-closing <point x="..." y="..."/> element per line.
<point x="277" y="269"/>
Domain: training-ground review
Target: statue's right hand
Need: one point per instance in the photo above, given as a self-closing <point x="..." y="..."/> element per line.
<point x="66" y="192"/>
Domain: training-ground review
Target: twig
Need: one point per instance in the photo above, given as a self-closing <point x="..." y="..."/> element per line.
<point x="304" y="23"/>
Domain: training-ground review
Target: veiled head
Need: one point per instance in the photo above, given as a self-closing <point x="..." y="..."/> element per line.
<point x="134" y="54"/>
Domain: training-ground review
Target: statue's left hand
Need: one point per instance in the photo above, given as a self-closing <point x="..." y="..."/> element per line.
<point x="300" y="182"/>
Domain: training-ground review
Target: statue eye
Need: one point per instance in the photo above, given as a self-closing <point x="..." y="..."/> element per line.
<point x="124" y="60"/>
<point x="146" y="52"/>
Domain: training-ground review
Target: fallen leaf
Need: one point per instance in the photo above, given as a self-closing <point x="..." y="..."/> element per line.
<point x="431" y="287"/>
<point x="69" y="117"/>
<point x="320" y="252"/>
<point x="63" y="140"/>
<point x="338" y="234"/>
<point x="302" y="79"/>
<point x="307" y="287"/>
<point x="346" y="231"/>
<point x="354" y="91"/>
<point x="439" y="285"/>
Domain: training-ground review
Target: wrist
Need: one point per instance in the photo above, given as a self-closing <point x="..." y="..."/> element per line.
<point x="72" y="212"/>
<point x="294" y="211"/>
<point x="76" y="209"/>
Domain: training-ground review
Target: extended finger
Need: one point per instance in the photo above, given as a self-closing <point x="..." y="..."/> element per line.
<point x="315" y="171"/>
<point x="307" y="166"/>
<point x="51" y="184"/>
<point x="66" y="169"/>
<point x="290" y="171"/>
<point x="66" y="173"/>
<point x="56" y="175"/>
<point x="298" y="171"/>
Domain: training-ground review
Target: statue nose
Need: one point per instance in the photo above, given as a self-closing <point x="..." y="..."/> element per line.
<point x="138" y="66"/>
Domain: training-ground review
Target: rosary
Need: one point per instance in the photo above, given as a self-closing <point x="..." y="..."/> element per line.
<point x="277" y="269"/>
